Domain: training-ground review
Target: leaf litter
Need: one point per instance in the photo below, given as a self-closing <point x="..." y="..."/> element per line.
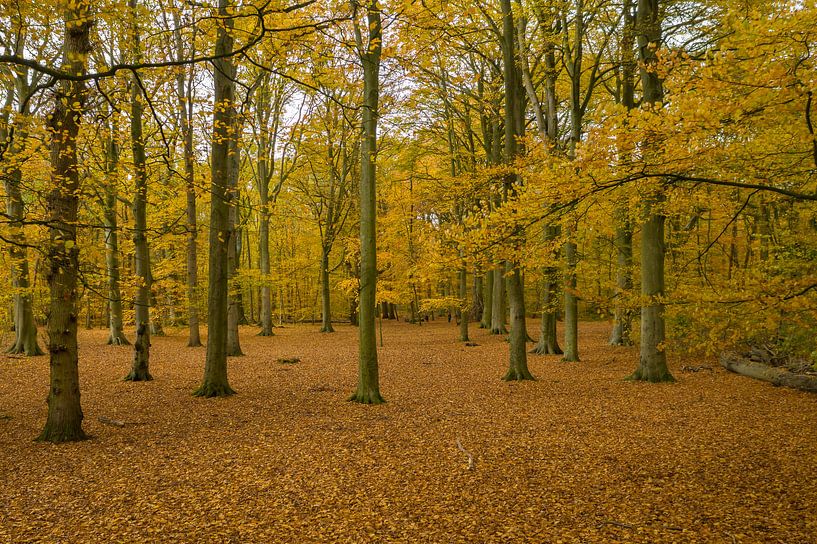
<point x="456" y="455"/>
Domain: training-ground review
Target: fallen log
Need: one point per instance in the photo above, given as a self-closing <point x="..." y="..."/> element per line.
<point x="734" y="362"/>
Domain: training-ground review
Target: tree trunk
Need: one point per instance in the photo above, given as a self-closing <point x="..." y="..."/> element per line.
<point x="140" y="370"/>
<point x="498" y="301"/>
<point x="234" y="310"/>
<point x="475" y="313"/>
<point x="622" y="322"/>
<point x="487" y="300"/>
<point x="326" y="301"/>
<point x="25" y="328"/>
<point x="464" y="313"/>
<point x="116" y="335"/>
<point x="368" y="386"/>
<point x="64" y="421"/>
<point x="571" y="304"/>
<point x="653" y="360"/>
<point x="215" y="382"/>
<point x="184" y="94"/>
<point x="548" y="343"/>
<point x="514" y="129"/>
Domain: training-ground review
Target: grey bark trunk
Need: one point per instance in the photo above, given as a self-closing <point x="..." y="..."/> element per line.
<point x="185" y="106"/>
<point x="487" y="300"/>
<point x="368" y="386"/>
<point x="571" y="304"/>
<point x="514" y="128"/>
<point x="498" y="301"/>
<point x="653" y="359"/>
<point x="116" y="335"/>
<point x="140" y="370"/>
<point x="215" y="382"/>
<point x="464" y="313"/>
<point x="326" y="300"/>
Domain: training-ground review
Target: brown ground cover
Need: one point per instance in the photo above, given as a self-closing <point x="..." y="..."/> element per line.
<point x="578" y="456"/>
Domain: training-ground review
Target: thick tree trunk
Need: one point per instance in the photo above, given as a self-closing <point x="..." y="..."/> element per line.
<point x="368" y="386"/>
<point x="653" y="360"/>
<point x="140" y="370"/>
<point x="64" y="421"/>
<point x="571" y="305"/>
<point x="498" y="301"/>
<point x="514" y="129"/>
<point x="234" y="310"/>
<point x="215" y="382"/>
<point x="326" y="300"/>
<point x="777" y="376"/>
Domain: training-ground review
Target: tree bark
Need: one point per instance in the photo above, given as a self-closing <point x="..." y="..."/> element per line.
<point x="326" y="300"/>
<point x="498" y="301"/>
<point x="64" y="421"/>
<point x="776" y="376"/>
<point x="215" y="382"/>
<point x="653" y="359"/>
<point x="185" y="107"/>
<point x="25" y="328"/>
<point x="368" y="386"/>
<point x="116" y="336"/>
<point x="464" y="313"/>
<point x="140" y="370"/>
<point x="514" y="129"/>
<point x="487" y="301"/>
<point x="571" y="304"/>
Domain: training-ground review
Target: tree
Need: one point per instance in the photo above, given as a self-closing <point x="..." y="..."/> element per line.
<point x="653" y="358"/>
<point x="514" y="127"/>
<point x="25" y="328"/>
<point x="140" y="370"/>
<point x="368" y="385"/>
<point x="215" y="382"/>
<point x="64" y="421"/>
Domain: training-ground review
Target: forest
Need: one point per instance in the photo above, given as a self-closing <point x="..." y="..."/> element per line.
<point x="509" y="271"/>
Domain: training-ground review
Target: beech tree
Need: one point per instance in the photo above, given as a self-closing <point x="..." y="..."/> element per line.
<point x="64" y="423"/>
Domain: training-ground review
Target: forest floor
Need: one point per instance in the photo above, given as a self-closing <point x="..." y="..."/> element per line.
<point x="578" y="456"/>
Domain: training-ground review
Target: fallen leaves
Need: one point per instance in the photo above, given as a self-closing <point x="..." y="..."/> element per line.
<point x="577" y="456"/>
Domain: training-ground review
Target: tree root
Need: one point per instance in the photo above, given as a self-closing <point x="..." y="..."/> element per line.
<point x="138" y="376"/>
<point x="641" y="375"/>
<point x="368" y="397"/>
<point x="209" y="390"/>
<point x="514" y="374"/>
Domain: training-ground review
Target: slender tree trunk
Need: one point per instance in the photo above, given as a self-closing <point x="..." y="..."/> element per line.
<point x="464" y="313"/>
<point x="368" y="386"/>
<point x="326" y="301"/>
<point x="116" y="335"/>
<point x="215" y="382"/>
<point x="140" y="370"/>
<point x="475" y="313"/>
<point x="653" y="360"/>
<point x="233" y="252"/>
<point x="25" y="328"/>
<point x="184" y="94"/>
<point x="571" y="304"/>
<point x="622" y="323"/>
<point x="64" y="421"/>
<point x="487" y="300"/>
<point x="548" y="343"/>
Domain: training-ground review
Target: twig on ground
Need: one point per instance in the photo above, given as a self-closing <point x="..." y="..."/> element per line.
<point x="466" y="452"/>
<point x="688" y="368"/>
<point x="109" y="421"/>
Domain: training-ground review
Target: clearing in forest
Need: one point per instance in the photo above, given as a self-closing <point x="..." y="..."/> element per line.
<point x="578" y="456"/>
